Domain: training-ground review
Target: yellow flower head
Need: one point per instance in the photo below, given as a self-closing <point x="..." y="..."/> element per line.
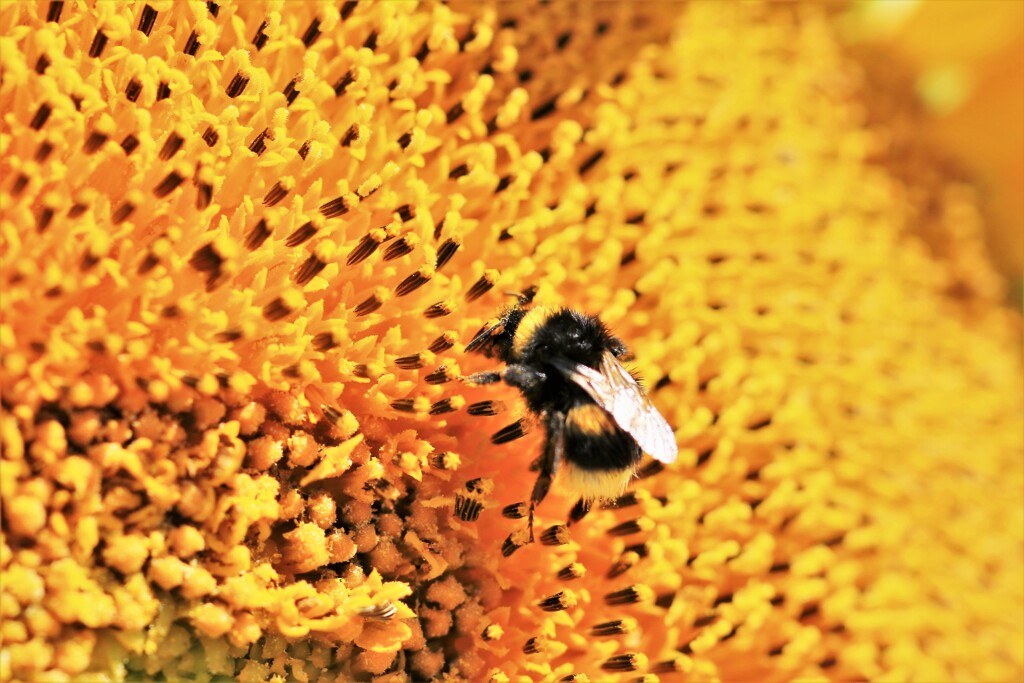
<point x="245" y="244"/>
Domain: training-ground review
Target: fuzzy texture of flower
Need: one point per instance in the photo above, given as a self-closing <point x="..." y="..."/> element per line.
<point x="244" y="245"/>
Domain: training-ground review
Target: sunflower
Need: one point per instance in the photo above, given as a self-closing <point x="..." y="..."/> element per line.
<point x="244" y="247"/>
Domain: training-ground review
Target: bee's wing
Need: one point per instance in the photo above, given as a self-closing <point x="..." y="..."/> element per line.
<point x="615" y="390"/>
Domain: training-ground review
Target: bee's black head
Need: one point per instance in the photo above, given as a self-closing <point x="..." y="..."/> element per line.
<point x="570" y="335"/>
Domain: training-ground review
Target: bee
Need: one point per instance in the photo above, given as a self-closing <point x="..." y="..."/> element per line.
<point x="597" y="419"/>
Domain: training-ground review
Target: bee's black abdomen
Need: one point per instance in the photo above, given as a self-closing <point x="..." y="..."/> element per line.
<point x="594" y="442"/>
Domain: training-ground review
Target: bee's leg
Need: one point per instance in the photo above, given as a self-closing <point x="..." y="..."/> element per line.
<point x="524" y="377"/>
<point x="481" y="378"/>
<point x="519" y="376"/>
<point x="579" y="511"/>
<point x="554" y="424"/>
<point x="540" y="490"/>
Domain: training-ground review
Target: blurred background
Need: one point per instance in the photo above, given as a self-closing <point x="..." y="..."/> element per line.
<point x="963" y="60"/>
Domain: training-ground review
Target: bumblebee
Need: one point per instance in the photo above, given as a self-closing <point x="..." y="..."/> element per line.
<point x="597" y="419"/>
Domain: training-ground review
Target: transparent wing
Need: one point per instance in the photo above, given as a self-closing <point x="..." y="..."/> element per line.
<point x="615" y="390"/>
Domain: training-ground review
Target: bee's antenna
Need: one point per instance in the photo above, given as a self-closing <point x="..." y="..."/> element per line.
<point x="525" y="296"/>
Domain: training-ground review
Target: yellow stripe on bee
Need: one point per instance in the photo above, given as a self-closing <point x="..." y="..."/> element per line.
<point x="590" y="419"/>
<point x="531" y="322"/>
<point x="594" y="484"/>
